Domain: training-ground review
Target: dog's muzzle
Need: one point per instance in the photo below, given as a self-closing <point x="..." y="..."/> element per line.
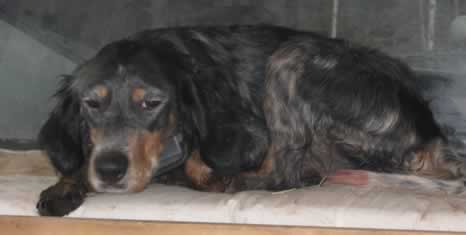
<point x="111" y="166"/>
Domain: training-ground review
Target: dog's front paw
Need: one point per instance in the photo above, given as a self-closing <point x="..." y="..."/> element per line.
<point x="60" y="199"/>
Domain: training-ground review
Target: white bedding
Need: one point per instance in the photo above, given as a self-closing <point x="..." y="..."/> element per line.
<point x="330" y="205"/>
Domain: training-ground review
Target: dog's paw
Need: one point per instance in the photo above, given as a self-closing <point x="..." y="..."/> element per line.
<point x="60" y="200"/>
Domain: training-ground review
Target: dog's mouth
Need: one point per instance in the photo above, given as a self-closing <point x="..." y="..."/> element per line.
<point x="102" y="187"/>
<point x="117" y="171"/>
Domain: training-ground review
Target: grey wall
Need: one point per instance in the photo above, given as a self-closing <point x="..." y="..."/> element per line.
<point x="45" y="38"/>
<point x="394" y="25"/>
<point x="28" y="75"/>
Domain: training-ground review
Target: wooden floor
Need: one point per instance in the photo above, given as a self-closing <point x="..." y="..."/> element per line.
<point x="24" y="163"/>
<point x="61" y="226"/>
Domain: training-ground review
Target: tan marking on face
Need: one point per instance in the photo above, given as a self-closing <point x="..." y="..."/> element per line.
<point x="101" y="91"/>
<point x="137" y="95"/>
<point x="144" y="149"/>
<point x="144" y="154"/>
<point x="96" y="135"/>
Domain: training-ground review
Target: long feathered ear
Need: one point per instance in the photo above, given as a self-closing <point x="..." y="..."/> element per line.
<point x="61" y="135"/>
<point x="191" y="97"/>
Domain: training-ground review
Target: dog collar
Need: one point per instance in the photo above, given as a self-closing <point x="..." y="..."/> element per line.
<point x="172" y="156"/>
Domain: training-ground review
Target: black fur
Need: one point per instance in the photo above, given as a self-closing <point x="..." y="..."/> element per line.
<point x="288" y="107"/>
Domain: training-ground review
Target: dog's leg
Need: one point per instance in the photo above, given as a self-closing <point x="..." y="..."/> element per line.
<point x="202" y="176"/>
<point x="437" y="160"/>
<point x="279" y="171"/>
<point x="63" y="197"/>
<point x="262" y="178"/>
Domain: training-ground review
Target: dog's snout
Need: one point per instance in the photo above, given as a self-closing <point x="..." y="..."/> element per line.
<point x="111" y="166"/>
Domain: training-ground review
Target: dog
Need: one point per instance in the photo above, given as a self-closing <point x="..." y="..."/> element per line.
<point x="233" y="108"/>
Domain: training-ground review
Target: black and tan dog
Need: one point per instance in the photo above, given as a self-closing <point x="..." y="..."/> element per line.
<point x="241" y="107"/>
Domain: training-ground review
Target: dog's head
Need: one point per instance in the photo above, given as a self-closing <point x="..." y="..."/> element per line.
<point x="127" y="97"/>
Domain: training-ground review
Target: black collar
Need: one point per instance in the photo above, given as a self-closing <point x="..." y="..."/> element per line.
<point x="172" y="156"/>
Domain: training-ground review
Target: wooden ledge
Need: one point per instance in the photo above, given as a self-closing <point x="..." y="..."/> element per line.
<point x="15" y="225"/>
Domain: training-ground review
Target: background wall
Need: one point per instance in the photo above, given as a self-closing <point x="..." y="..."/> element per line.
<point x="41" y="39"/>
<point x="28" y="72"/>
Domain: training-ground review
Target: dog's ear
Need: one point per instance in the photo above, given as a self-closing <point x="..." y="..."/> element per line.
<point x="61" y="135"/>
<point x="190" y="97"/>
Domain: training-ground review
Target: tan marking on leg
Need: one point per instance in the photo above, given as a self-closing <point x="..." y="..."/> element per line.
<point x="262" y="173"/>
<point x="267" y="166"/>
<point x="197" y="170"/>
<point x="201" y="175"/>
<point x="137" y="95"/>
<point x="255" y="179"/>
<point x="101" y="91"/>
<point x="429" y="161"/>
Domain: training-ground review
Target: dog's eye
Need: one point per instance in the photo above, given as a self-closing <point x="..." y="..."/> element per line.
<point x="91" y="103"/>
<point x="150" y="104"/>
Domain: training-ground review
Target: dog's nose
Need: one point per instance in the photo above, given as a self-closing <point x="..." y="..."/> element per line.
<point x="111" y="166"/>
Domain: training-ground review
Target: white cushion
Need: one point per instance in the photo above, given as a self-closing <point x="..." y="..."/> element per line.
<point x="329" y="205"/>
